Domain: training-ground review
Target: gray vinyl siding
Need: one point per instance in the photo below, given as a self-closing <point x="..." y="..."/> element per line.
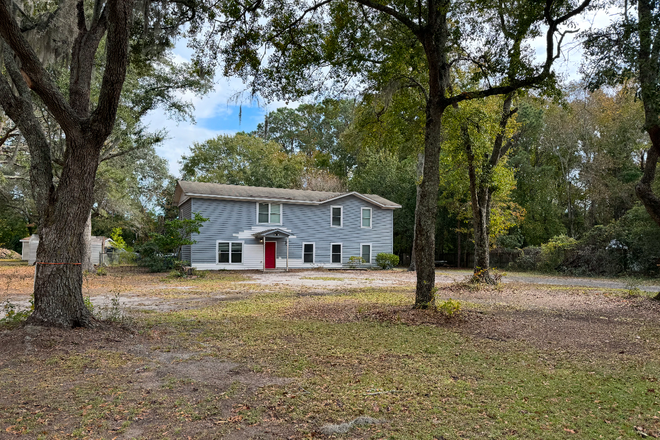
<point x="185" y="213"/>
<point x="307" y="223"/>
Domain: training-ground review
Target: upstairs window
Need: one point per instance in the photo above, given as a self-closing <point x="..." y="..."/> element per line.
<point x="366" y="218"/>
<point x="336" y="214"/>
<point x="269" y="213"/>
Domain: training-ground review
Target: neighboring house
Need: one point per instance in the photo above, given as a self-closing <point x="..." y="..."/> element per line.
<point x="273" y="228"/>
<point x="30" y="244"/>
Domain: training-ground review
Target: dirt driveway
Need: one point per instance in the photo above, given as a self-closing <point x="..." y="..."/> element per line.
<point x="156" y="292"/>
<point x="355" y="279"/>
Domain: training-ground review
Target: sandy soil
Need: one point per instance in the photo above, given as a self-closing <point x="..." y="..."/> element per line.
<point x="138" y="290"/>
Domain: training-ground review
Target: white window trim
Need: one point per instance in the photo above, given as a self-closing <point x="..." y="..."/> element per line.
<point x="341" y="253"/>
<point x="371" y="251"/>
<point x="217" y="256"/>
<point x="371" y="218"/>
<point x="269" y="205"/>
<point x="313" y="252"/>
<point x="341" y="217"/>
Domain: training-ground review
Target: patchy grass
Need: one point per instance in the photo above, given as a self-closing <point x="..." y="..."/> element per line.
<point x="12" y="262"/>
<point x="281" y="364"/>
<point x="212" y="278"/>
<point x="323" y="278"/>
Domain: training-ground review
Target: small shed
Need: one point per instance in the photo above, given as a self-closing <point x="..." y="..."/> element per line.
<point x="30" y="244"/>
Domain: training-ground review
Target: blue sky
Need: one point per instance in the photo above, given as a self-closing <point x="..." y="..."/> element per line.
<point x="216" y="113"/>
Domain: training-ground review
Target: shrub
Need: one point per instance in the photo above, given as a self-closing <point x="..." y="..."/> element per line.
<point x="450" y="308"/>
<point x="554" y="252"/>
<point x="88" y="304"/>
<point x="176" y="274"/>
<point x="387" y="261"/>
<point x="355" y="262"/>
<point x="528" y="260"/>
<point x="101" y="271"/>
<point x="13" y="315"/>
<point x="160" y="253"/>
<point x="200" y="273"/>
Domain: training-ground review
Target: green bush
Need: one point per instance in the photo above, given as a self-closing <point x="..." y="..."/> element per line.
<point x="627" y="246"/>
<point x="200" y="273"/>
<point x="176" y="274"/>
<point x="13" y="315"/>
<point x="88" y="304"/>
<point x="387" y="261"/>
<point x="160" y="253"/>
<point x="450" y="308"/>
<point x="355" y="262"/>
<point x="554" y="252"/>
<point x="528" y="260"/>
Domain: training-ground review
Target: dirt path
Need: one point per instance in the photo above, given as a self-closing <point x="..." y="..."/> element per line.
<point x="523" y="277"/>
<point x="152" y="292"/>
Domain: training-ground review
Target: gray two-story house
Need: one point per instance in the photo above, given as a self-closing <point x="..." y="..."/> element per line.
<point x="273" y="228"/>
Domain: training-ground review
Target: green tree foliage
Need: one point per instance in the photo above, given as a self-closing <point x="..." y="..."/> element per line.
<point x="314" y="130"/>
<point x="244" y="160"/>
<point x="628" y="50"/>
<point x="160" y="252"/>
<point x="362" y="40"/>
<point x="577" y="162"/>
<point x="538" y="181"/>
<point x="13" y="228"/>
<point x="481" y="120"/>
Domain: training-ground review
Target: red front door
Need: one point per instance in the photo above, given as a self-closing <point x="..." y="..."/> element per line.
<point x="270" y="255"/>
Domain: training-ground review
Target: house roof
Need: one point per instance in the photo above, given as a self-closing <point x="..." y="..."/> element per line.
<point x="275" y="232"/>
<point x="186" y="190"/>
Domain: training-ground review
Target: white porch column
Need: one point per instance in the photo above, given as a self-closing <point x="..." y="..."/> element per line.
<point x="287" y="254"/>
<point x="264" y="262"/>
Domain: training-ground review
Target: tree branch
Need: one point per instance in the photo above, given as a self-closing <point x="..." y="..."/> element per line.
<point x="8" y="135"/>
<point x="416" y="29"/>
<point x="515" y="84"/>
<point x="40" y="80"/>
<point x="119" y="23"/>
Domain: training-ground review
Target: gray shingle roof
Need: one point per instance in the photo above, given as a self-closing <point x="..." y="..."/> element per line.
<point x="187" y="190"/>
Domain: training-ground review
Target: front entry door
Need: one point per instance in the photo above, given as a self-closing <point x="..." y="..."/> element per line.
<point x="270" y="255"/>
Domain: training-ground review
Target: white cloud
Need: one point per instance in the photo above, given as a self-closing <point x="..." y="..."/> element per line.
<point x="179" y="140"/>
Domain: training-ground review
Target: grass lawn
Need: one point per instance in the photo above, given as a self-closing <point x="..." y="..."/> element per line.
<point x="283" y="363"/>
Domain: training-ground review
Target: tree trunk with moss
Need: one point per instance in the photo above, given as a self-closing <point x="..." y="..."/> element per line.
<point x="64" y="209"/>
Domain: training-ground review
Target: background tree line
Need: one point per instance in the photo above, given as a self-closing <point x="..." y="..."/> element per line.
<point x="571" y="168"/>
<point x="440" y="89"/>
<point x="571" y="171"/>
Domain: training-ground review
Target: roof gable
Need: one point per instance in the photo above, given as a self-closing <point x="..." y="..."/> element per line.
<point x="186" y="190"/>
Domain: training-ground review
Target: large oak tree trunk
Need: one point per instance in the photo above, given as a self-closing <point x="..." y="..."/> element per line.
<point x="420" y="175"/>
<point x="64" y="209"/>
<point x="481" y="220"/>
<point x="644" y="188"/>
<point x="58" y="298"/>
<point x="426" y="210"/>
